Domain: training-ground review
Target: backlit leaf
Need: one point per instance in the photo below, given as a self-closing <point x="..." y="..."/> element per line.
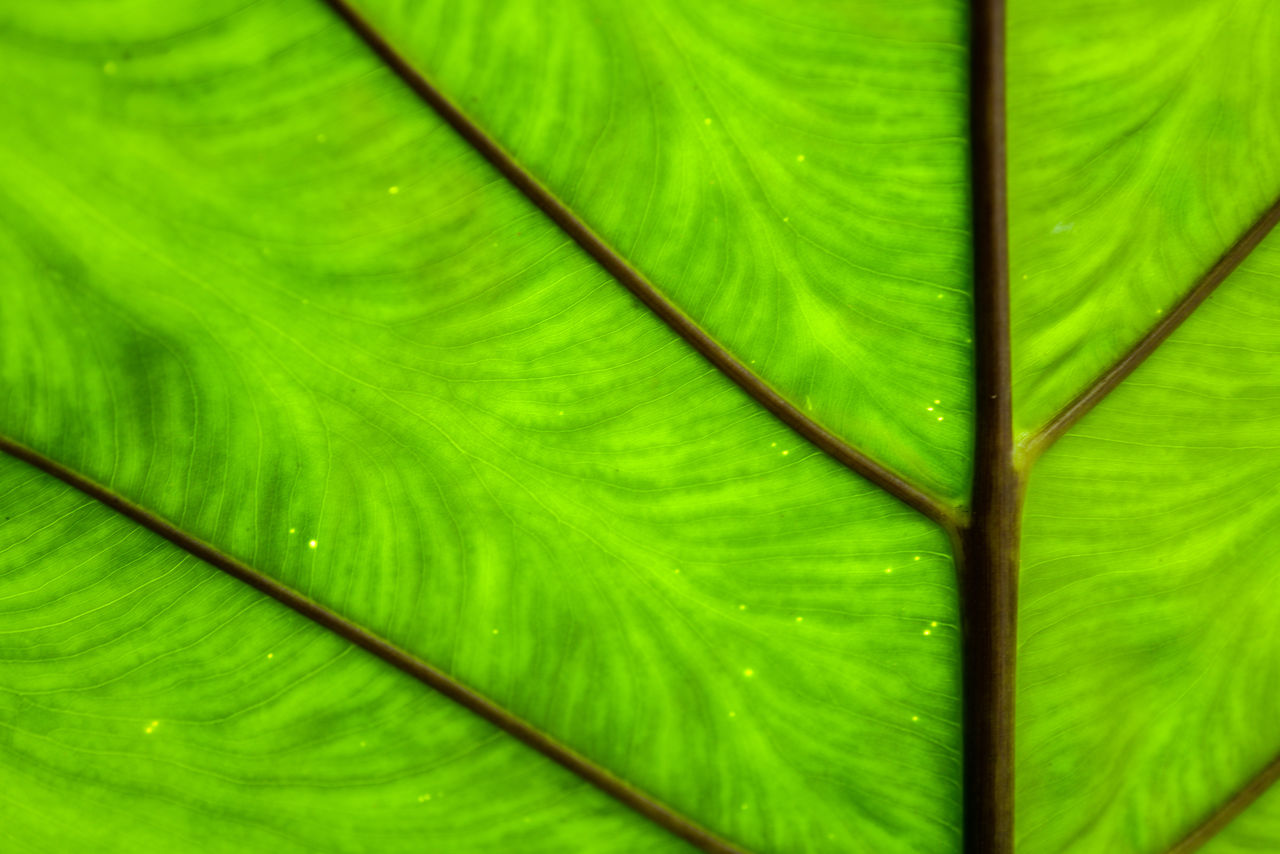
<point x="620" y="371"/>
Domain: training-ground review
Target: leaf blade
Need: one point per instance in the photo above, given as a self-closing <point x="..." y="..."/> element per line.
<point x="424" y="438"/>
<point x="1147" y="129"/>
<point x="151" y="702"/>
<point x="786" y="177"/>
<point x="1148" y="608"/>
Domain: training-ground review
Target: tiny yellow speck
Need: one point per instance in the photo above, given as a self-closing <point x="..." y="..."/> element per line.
<point x="271" y="655"/>
<point x="748" y="672"/>
<point x="915" y="717"/>
<point x="1159" y="311"/>
<point x="706" y="121"/>
<point x="939" y="296"/>
<point x="928" y="409"/>
<point x="890" y="569"/>
<point x="312" y="544"/>
<point x="939" y="417"/>
<point x="785" y="453"/>
<point x="321" y="137"/>
<point x="934" y="624"/>
<point x="677" y="572"/>
<point x="109" y="68"/>
<point x="917" y="557"/>
<point x="936" y="402"/>
<point x="786" y="219"/>
<point x="742" y="607"/>
<point x="733" y="714"/>
<point x="423" y="798"/>
<point x="393" y="190"/>
<point x="1024" y="275"/>
<point x="799" y="158"/>
<point x="147" y="730"/>
<point x="773" y="444"/>
<point x="799" y="619"/>
<point x="155" y="723"/>
<point x="293" y="530"/>
<point x="926" y="631"/>
<point x="495" y="631"/>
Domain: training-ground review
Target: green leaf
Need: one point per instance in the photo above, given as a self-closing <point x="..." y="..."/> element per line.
<point x="150" y="702"/>
<point x="429" y="411"/>
<point x="621" y="372"/>
<point x="1142" y="142"/>
<point x="774" y="153"/>
<point x="1254" y="832"/>
<point x="1150" y="602"/>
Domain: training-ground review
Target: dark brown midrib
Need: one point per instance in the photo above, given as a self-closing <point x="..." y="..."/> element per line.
<point x="650" y="808"/>
<point x="1231" y="808"/>
<point x="916" y="497"/>
<point x="1106" y="383"/>
<point x="988" y="557"/>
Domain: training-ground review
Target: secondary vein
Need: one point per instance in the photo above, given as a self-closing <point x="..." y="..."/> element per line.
<point x="1127" y="364"/>
<point x="1229" y="809"/>
<point x="917" y="497"/>
<point x="402" y="660"/>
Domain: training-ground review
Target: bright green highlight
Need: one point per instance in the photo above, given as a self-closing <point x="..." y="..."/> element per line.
<point x="259" y="289"/>
<point x="792" y="173"/>
<point x="1150" y="600"/>
<point x="1142" y="144"/>
<point x="149" y="702"/>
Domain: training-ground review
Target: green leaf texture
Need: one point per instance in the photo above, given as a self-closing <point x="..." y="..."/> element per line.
<point x="789" y="173"/>
<point x="1142" y="143"/>
<point x="148" y="702"/>
<point x="252" y="283"/>
<point x="289" y="310"/>
<point x="1150" y="600"/>
<point x="1253" y="832"/>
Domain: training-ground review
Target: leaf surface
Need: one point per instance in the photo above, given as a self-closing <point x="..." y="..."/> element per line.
<point x="383" y="356"/>
<point x="1150" y="597"/>
<point x="1142" y="143"/>
<point x="272" y="298"/>
<point x="149" y="702"/>
<point x="793" y="175"/>
<point x="1253" y="832"/>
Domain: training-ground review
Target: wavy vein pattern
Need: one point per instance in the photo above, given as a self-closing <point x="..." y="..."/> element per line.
<point x="1143" y="141"/>
<point x="792" y="174"/>
<point x="150" y="703"/>
<point x="1150" y="613"/>
<point x="258" y="288"/>
<point x="1254" y="831"/>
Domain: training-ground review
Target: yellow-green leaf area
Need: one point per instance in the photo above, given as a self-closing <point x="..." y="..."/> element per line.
<point x="793" y="175"/>
<point x="1142" y="144"/>
<point x="260" y="290"/>
<point x="1150" y="593"/>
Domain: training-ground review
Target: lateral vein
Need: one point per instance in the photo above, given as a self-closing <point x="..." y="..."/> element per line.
<point x="1232" y="258"/>
<point x="917" y="497"/>
<point x="1229" y="809"/>
<point x="402" y="660"/>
